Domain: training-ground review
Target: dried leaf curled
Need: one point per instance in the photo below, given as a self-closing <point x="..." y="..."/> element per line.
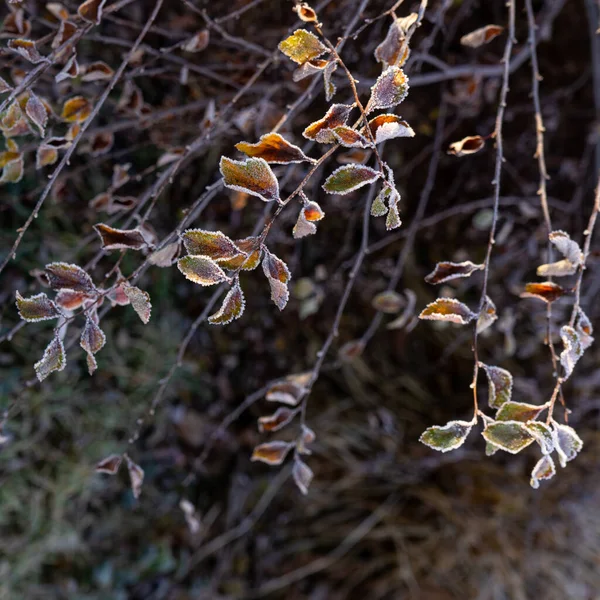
<point x="448" y="309"/>
<point x="468" y="145"/>
<point x="136" y="476"/>
<point x="278" y="420"/>
<point x="481" y="36"/>
<point x="110" y="465"/>
<point x="547" y="291"/>
<point x="573" y="350"/>
<point x="274" y="148"/>
<point x="322" y="130"/>
<point x="271" y="453"/>
<point x="120" y="239"/>
<point x="389" y="126"/>
<point x="446" y="271"/>
<point x="544" y="469"/>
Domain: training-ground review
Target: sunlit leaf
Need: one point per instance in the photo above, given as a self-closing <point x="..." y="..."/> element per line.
<point x="232" y="307"/>
<point x="510" y="436"/>
<point x="136" y="476"/>
<point x="566" y="442"/>
<point x="140" y="301"/>
<point x="305" y="13"/>
<point x="27" y="49"/>
<point x="500" y="383"/>
<point x="322" y="130"/>
<point x="65" y="276"/>
<point x="76" y="110"/>
<point x="469" y="145"/>
<point x="97" y="71"/>
<point x="389" y="90"/>
<point x="543" y="435"/>
<point x="548" y="291"/>
<point x="45" y="156"/>
<point x="302" y="475"/>
<point x="201" y="270"/>
<point x="312" y="211"/>
<point x="36" y="111"/>
<point x="37" y="308"/>
<point x="253" y="176"/>
<point x="120" y="239"/>
<point x="54" y="359"/>
<point x="278" y="420"/>
<point x="573" y="350"/>
<point x="91" y="11"/>
<point x="518" y="411"/>
<point x="544" y="469"/>
<point x="446" y="271"/>
<point x="446" y="437"/>
<point x="389" y="126"/>
<point x="481" y="36"/>
<point x="272" y="453"/>
<point x="214" y="244"/>
<point x="110" y="465"/>
<point x="349" y="138"/>
<point x="302" y="46"/>
<point x="273" y="148"/>
<point x="348" y="178"/>
<point x="278" y="276"/>
<point x="487" y="315"/>
<point x="560" y="268"/>
<point x="389" y="302"/>
<point x="447" y="309"/>
<point x="198" y="42"/>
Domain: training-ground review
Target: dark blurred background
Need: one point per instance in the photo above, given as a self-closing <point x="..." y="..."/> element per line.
<point x="385" y="517"/>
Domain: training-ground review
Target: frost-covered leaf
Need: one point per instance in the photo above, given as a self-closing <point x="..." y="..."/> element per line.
<point x="481" y="36"/>
<point x="278" y="276"/>
<point x="70" y="299"/>
<point x="322" y="130"/>
<point x="198" y="42"/>
<point x="165" y="256"/>
<point x="232" y="307"/>
<point x="543" y="435"/>
<point x="4" y="87"/>
<point x="389" y="90"/>
<point x="566" y="442"/>
<point x="548" y="291"/>
<point x="92" y="340"/>
<point x="389" y="126"/>
<point x="286" y="391"/>
<point x="394" y="50"/>
<point x="500" y="383"/>
<point x="307" y="436"/>
<point x="214" y="244"/>
<point x="120" y="239"/>
<point x="12" y="171"/>
<point x="379" y="207"/>
<point x="71" y="277"/>
<point x="487" y="316"/>
<point x="36" y="111"/>
<point x="573" y="350"/>
<point x="510" y="436"/>
<point x="278" y="420"/>
<point x="584" y="329"/>
<point x="348" y="178"/>
<point x="272" y="453"/>
<point x="446" y="271"/>
<point x="247" y="261"/>
<point x="393" y="220"/>
<point x="309" y="68"/>
<point x="349" y="138"/>
<point x="302" y="46"/>
<point x="37" y="308"/>
<point x="274" y="148"/>
<point x="45" y="156"/>
<point x="110" y="465"/>
<point x="302" y="475"/>
<point x="389" y="302"/>
<point x="69" y="71"/>
<point x="54" y="359"/>
<point x="544" y="469"/>
<point x="140" y="301"/>
<point x="448" y="309"/>
<point x="136" y="476"/>
<point x="303" y="227"/>
<point x="201" y="270"/>
<point x="305" y="13"/>
<point x="446" y="437"/>
<point x="76" y="110"/>
<point x="27" y="49"/>
<point x="567" y="247"/>
<point x="313" y="211"/>
<point x="327" y="83"/>
<point x="468" y="145"/>
<point x="253" y="176"/>
<point x="91" y="11"/>
<point x="97" y="71"/>
<point x="518" y="411"/>
<point x="560" y="268"/>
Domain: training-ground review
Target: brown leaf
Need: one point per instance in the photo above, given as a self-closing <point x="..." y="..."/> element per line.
<point x="92" y="340"/>
<point x="271" y="453"/>
<point x="446" y="271"/>
<point x="278" y="276"/>
<point x="322" y="130"/>
<point x="27" y="49"/>
<point x="45" y="156"/>
<point x="232" y="307"/>
<point x="447" y="309"/>
<point x="481" y="36"/>
<point x="36" y="308"/>
<point x="97" y="71"/>
<point x="198" y="42"/>
<point x="120" y="239"/>
<point x="76" y="109"/>
<point x="389" y="126"/>
<point x="349" y="138"/>
<point x="278" y="420"/>
<point x="65" y="276"/>
<point x="110" y="465"/>
<point x="70" y="300"/>
<point x="253" y="176"/>
<point x="393" y="51"/>
<point x="469" y="145"/>
<point x="305" y="13"/>
<point x="309" y="68"/>
<point x="36" y="111"/>
<point x="140" y="301"/>
<point x="548" y="291"/>
<point x="91" y="11"/>
<point x="273" y="148"/>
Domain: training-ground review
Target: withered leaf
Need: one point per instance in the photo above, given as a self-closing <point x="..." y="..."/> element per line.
<point x="249" y="260"/>
<point x="487" y="316"/>
<point x="54" y="359"/>
<point x="303" y="227"/>
<point x="202" y="270"/>
<point x="302" y="46"/>
<point x="349" y="138"/>
<point x="97" y="71"/>
<point x="92" y="340"/>
<point x="37" y="308"/>
<point x="165" y="256"/>
<point x="91" y="11"/>
<point x="45" y="156"/>
<point x="468" y="145"/>
<point x="65" y="276"/>
<point x="286" y="392"/>
<point x="27" y="49"/>
<point x="348" y="178"/>
<point x="120" y="239"/>
<point x="389" y="302"/>
<point x="273" y="148"/>
<point x="140" y="301"/>
<point x="500" y="383"/>
<point x="446" y="271"/>
<point x="510" y="436"/>
<point x="76" y="110"/>
<point x="322" y="130"/>
<point x="566" y="442"/>
<point x="548" y="291"/>
<point x="232" y="307"/>
<point x="393" y="51"/>
<point x="544" y="469"/>
<point x="305" y="13"/>
<point x="567" y="247"/>
<point x="70" y="299"/>
<point x="389" y="126"/>
<point x="309" y="68"/>
<point x="446" y="437"/>
<point x="36" y="111"/>
<point x="278" y="420"/>
<point x="390" y="89"/>
<point x="110" y="465"/>
<point x="253" y="176"/>
<point x="278" y="275"/>
<point x="136" y="476"/>
<point x="198" y="42"/>
<point x="573" y="350"/>
<point x="302" y="475"/>
<point x="271" y="453"/>
<point x="481" y="36"/>
<point x="12" y="171"/>
<point x="448" y="309"/>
